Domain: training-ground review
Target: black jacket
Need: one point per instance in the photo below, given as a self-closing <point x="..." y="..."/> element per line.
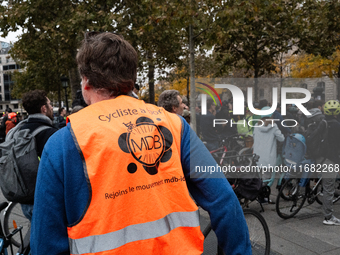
<point x="333" y="140"/>
<point x="35" y="121"/>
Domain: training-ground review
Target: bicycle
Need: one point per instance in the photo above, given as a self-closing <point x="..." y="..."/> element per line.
<point x="259" y="234"/>
<point x="295" y="192"/>
<point x="14" y="212"/>
<point x="6" y="239"/>
<point x="258" y="229"/>
<point x="230" y="148"/>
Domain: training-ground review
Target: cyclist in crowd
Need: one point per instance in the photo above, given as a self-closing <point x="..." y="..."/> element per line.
<point x="11" y="122"/>
<point x="276" y="116"/>
<point x="62" y="117"/>
<point x="266" y="136"/>
<point x="40" y="113"/>
<point x="116" y="180"/>
<point x="225" y="130"/>
<point x="171" y="101"/>
<point x="209" y="132"/>
<point x="3" y="124"/>
<point x="331" y="111"/>
<point x="243" y="127"/>
<point x="316" y="113"/>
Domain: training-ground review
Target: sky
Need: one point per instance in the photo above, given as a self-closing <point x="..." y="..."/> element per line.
<point x="11" y="37"/>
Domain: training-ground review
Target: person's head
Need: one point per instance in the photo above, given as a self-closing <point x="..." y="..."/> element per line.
<point x="263" y="103"/>
<point x="278" y="107"/>
<point x="8" y="110"/>
<point x="331" y="108"/>
<point x="107" y="65"/>
<point x="211" y="107"/>
<point x="77" y="108"/>
<point x="171" y="101"/>
<point x="36" y="101"/>
<point x="62" y="111"/>
<point x="12" y="116"/>
<point x="198" y="109"/>
<point x="136" y="88"/>
<point x="266" y="117"/>
<point x="318" y="104"/>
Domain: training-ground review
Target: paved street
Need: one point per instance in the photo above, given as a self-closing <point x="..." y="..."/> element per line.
<point x="303" y="234"/>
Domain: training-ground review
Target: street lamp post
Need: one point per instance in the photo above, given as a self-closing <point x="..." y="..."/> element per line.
<point x="64" y="83"/>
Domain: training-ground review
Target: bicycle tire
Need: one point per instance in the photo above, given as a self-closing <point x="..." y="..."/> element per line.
<point x="258" y="232"/>
<point x="295" y="197"/>
<point x="14" y="212"/>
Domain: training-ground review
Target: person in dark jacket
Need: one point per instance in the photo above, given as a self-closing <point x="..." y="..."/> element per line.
<point x="3" y="124"/>
<point x="316" y="114"/>
<point x="332" y="159"/>
<point x="40" y="111"/>
<point x="62" y="117"/>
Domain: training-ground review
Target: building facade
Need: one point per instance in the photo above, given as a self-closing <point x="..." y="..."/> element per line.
<point x="7" y="66"/>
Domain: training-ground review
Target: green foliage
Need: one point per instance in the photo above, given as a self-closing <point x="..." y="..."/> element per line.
<point x="251" y="34"/>
<point x="319" y="34"/>
<point x="52" y="32"/>
<point x="255" y="32"/>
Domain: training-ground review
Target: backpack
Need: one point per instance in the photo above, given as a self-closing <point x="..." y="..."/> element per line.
<point x="317" y="139"/>
<point x="19" y="164"/>
<point x="248" y="188"/>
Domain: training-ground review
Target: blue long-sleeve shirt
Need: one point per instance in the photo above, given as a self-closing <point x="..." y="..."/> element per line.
<point x="62" y="195"/>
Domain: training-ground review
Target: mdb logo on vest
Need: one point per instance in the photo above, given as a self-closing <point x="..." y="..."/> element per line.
<point x="244" y="93"/>
<point x="148" y="143"/>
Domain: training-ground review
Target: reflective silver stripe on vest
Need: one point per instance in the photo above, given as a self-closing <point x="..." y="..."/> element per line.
<point x="113" y="240"/>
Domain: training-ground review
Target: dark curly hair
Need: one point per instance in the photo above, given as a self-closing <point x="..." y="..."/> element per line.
<point x="33" y="100"/>
<point x="108" y="62"/>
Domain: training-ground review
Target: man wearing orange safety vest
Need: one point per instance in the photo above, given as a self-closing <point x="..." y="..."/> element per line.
<point x="116" y="180"/>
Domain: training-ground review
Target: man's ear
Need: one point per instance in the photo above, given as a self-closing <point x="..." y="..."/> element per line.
<point x="174" y="109"/>
<point x="86" y="83"/>
<point x="43" y="109"/>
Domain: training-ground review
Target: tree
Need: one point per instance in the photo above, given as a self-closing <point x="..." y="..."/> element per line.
<point x="320" y="34"/>
<point x="311" y="66"/>
<point x="159" y="29"/>
<point x="52" y="31"/>
<point x="251" y="34"/>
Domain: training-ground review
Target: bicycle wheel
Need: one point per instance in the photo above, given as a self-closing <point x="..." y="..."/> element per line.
<point x="294" y="198"/>
<point x="258" y="232"/>
<point x="14" y="212"/>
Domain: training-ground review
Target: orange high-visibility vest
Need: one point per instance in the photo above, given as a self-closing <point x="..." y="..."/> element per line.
<point x="139" y="202"/>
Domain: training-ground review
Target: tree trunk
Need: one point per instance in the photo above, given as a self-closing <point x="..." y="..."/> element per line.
<point x="59" y="95"/>
<point x="74" y="82"/>
<point x="256" y="75"/>
<point x="188" y="90"/>
<point x="192" y="80"/>
<point x="338" y="81"/>
<point x="256" y="85"/>
<point x="151" y="77"/>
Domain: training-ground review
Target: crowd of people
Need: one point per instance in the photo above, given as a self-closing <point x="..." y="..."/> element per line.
<point x="268" y="138"/>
